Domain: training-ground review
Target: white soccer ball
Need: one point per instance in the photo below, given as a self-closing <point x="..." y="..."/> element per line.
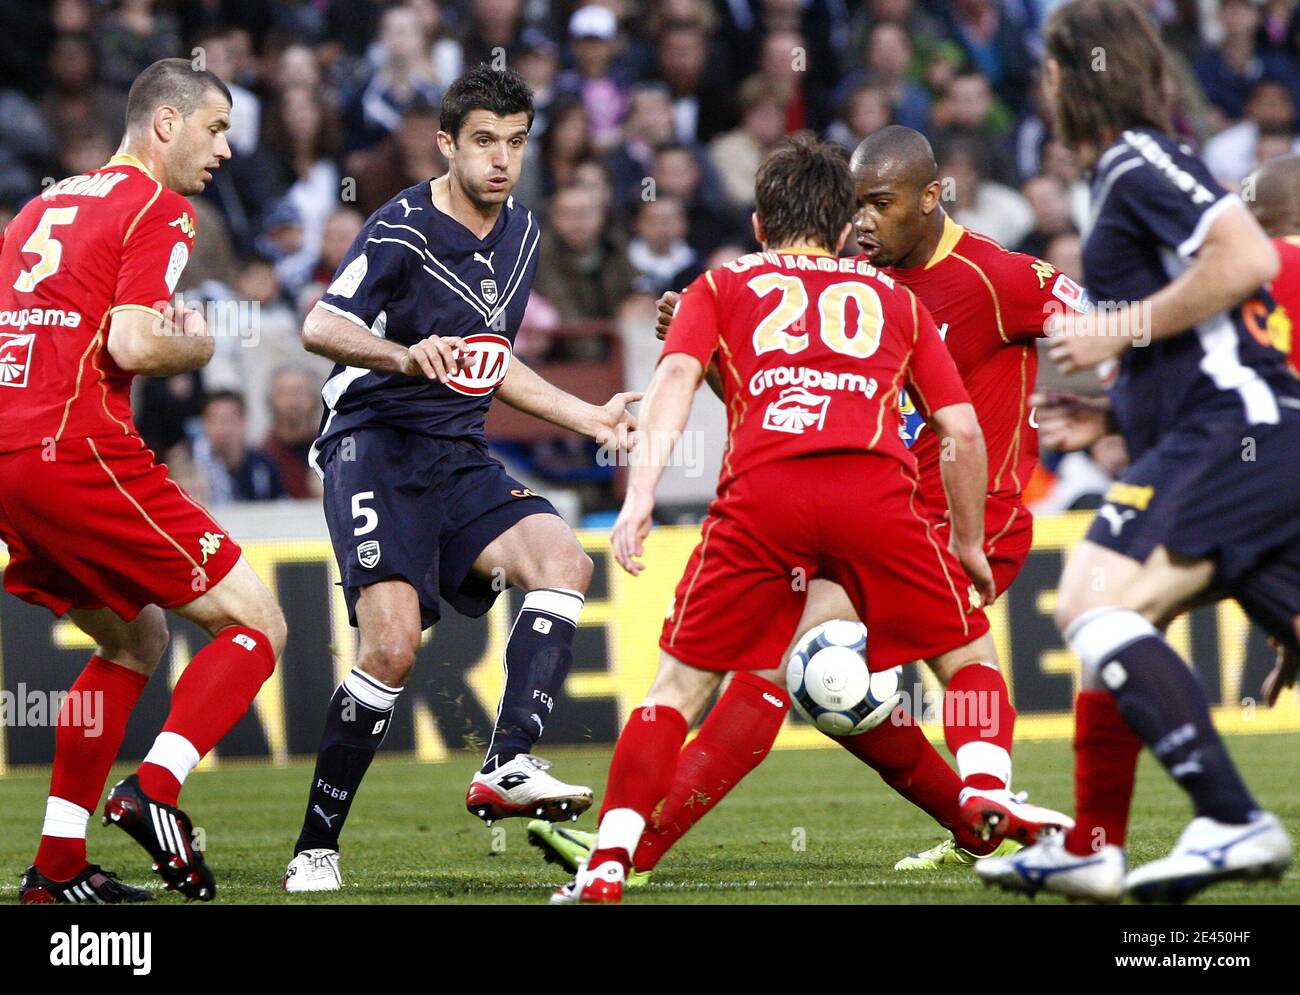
<point x="830" y="684"/>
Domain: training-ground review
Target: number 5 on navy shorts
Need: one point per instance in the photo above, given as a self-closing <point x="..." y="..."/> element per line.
<point x="401" y="505"/>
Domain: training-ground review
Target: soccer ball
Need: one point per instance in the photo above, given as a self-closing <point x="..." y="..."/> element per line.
<point x="830" y="685"/>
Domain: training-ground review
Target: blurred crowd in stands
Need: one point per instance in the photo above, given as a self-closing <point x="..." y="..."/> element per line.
<point x="653" y="117"/>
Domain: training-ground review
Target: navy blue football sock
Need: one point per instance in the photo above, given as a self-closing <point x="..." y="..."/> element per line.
<point x="1161" y="700"/>
<point x="355" y="725"/>
<point x="538" y="656"/>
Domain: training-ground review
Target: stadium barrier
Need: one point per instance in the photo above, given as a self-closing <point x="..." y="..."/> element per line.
<point x="451" y="700"/>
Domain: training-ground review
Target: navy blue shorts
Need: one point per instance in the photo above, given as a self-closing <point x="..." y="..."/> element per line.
<point x="406" y="505"/>
<point x="1227" y="492"/>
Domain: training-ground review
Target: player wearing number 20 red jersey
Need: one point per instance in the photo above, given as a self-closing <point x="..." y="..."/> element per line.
<point x="814" y="352"/>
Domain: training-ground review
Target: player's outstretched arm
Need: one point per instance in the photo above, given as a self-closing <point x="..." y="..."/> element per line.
<point x="663" y="416"/>
<point x="159" y="344"/>
<point x="1234" y="261"/>
<point x="608" y="423"/>
<point x="964" y="468"/>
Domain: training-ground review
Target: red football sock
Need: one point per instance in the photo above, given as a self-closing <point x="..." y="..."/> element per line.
<point x="212" y="695"/>
<point x="978" y="725"/>
<point x="1105" y="765"/>
<point x="732" y="741"/>
<point x="89" y="733"/>
<point x="642" y="769"/>
<point x="904" y="758"/>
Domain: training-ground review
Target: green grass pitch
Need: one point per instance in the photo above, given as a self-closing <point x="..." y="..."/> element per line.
<point x="807" y="826"/>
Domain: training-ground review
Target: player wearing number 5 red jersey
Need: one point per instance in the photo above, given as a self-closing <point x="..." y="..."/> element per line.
<point x="95" y="529"/>
<point x="814" y="352"/>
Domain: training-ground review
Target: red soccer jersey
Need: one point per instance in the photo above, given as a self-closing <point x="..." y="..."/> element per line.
<point x="990" y="305"/>
<point x="1280" y="328"/>
<point x="813" y="352"/>
<point x="89" y="245"/>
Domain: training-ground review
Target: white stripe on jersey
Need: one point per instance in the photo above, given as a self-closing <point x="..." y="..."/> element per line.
<point x="1221" y="361"/>
<point x="1192" y="243"/>
<point x="413" y="231"/>
<point x="517" y="275"/>
<point x="1094" y="209"/>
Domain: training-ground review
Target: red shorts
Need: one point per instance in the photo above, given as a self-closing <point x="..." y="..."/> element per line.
<point x="101" y="525"/>
<point x="1008" y="536"/>
<point x="852" y="518"/>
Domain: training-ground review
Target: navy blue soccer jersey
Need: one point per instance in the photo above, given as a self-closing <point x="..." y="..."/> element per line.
<point x="412" y="272"/>
<point x="1153" y="204"/>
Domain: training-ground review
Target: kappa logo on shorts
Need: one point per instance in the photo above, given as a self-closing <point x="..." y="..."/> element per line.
<point x="209" y="543"/>
<point x="15" y="358"/>
<point x="368" y="553"/>
<point x="796" y="411"/>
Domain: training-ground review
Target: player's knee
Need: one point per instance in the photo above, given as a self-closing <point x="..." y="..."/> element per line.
<point x="1070" y="604"/>
<point x="265" y="616"/>
<point x="390" y="660"/>
<point x="569" y="567"/>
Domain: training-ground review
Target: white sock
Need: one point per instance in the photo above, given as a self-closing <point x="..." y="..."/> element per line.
<point x="64" y="820"/>
<point x="984" y="758"/>
<point x="621" y="829"/>
<point x="175" y="754"/>
<point x="370" y="692"/>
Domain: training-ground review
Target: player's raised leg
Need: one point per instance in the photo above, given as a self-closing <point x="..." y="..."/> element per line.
<point x="640" y="773"/>
<point x="356" y="720"/>
<point x="541" y="556"/>
<point x="218" y="686"/>
<point x="1090" y="861"/>
<point x="87" y="737"/>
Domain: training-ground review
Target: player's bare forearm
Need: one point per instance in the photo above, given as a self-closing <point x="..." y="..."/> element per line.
<point x="664" y="411"/>
<point x="154" y="344"/>
<point x="524" y="390"/>
<point x="344" y="341"/>
<point x="963" y="463"/>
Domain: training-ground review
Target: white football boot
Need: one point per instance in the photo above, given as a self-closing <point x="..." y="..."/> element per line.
<point x="1210" y="851"/>
<point x="523" y="787"/>
<point x="314" y="870"/>
<point x="998" y="813"/>
<point x="1048" y="866"/>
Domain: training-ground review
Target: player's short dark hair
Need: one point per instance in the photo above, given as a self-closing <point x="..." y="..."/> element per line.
<point x="1113" y="71"/>
<point x="173" y="82"/>
<point x="804" y="193"/>
<point x="482" y="88"/>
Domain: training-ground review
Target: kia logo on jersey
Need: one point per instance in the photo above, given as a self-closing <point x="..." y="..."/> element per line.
<point x="486" y="359"/>
<point x="15" y="358"/>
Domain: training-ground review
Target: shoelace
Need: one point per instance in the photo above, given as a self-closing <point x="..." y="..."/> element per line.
<point x="536" y="761"/>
